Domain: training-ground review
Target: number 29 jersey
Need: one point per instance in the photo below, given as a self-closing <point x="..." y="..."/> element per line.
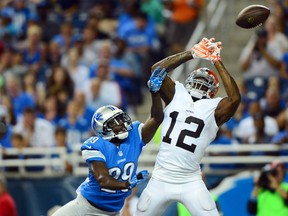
<point x="187" y="129"/>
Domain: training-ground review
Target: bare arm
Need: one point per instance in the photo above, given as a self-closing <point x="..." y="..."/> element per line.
<point x="273" y="61"/>
<point x="151" y="125"/>
<point x="246" y="63"/>
<point x="105" y="180"/>
<point x="228" y="105"/>
<point x="167" y="89"/>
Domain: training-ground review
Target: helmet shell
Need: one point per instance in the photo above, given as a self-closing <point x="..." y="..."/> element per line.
<point x="202" y="83"/>
<point x="105" y="114"/>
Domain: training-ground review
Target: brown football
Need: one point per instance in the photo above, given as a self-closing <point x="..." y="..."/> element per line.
<point x="252" y="16"/>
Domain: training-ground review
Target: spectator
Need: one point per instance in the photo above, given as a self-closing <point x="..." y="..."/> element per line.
<point x="18" y="67"/>
<point x="93" y="22"/>
<point x="184" y="18"/>
<point x="10" y="118"/>
<point x="87" y="47"/>
<point x="5" y="141"/>
<point x="54" y="54"/>
<point x="276" y="39"/>
<point x="48" y="18"/>
<point x="20" y="99"/>
<point x="8" y="29"/>
<point x="75" y="125"/>
<point x="29" y="85"/>
<point x="233" y="124"/>
<point x="65" y="39"/>
<point x="282" y="137"/>
<point x="247" y="127"/>
<point x="260" y="136"/>
<point x="79" y="73"/>
<point x="51" y="110"/>
<point x="19" y="13"/>
<point x="60" y="84"/>
<point x="222" y="139"/>
<point x="32" y="46"/>
<point x="18" y="141"/>
<point x="37" y="132"/>
<point x="127" y="71"/>
<point x="61" y="141"/>
<point x="107" y="85"/>
<point x="7" y="203"/>
<point x="6" y="62"/>
<point x="272" y="104"/>
<point x="260" y="59"/>
<point x="83" y="110"/>
<point x="270" y="192"/>
<point x="141" y="38"/>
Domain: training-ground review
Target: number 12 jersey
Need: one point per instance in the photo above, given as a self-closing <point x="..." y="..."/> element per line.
<point x="187" y="129"/>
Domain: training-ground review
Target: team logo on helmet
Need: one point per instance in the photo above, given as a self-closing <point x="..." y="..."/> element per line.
<point x="107" y="114"/>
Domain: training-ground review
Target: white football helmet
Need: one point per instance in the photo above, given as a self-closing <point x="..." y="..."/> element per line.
<point x="105" y="117"/>
<point x="202" y="83"/>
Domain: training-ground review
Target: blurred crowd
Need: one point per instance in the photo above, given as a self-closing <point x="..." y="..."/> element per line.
<point x="61" y="60"/>
<point x="262" y="117"/>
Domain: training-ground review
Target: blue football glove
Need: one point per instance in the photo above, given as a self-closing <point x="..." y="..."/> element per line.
<point x="156" y="79"/>
<point x="139" y="178"/>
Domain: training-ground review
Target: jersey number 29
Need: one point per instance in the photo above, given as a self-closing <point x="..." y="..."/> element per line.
<point x="195" y="134"/>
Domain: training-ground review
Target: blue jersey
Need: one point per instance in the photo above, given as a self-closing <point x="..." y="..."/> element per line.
<point x="121" y="163"/>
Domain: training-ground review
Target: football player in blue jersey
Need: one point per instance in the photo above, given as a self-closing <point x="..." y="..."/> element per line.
<point x="112" y="158"/>
<point x="192" y="118"/>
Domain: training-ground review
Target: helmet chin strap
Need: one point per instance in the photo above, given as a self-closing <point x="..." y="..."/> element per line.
<point x="197" y="94"/>
<point x="122" y="135"/>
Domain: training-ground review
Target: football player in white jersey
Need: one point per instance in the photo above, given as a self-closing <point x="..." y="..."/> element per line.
<point x="112" y="159"/>
<point x="192" y="117"/>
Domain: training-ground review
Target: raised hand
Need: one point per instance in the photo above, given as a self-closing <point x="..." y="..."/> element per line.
<point x="138" y="178"/>
<point x="156" y="79"/>
<point x="207" y="49"/>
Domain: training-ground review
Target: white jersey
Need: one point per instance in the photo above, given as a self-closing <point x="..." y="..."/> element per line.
<point x="187" y="129"/>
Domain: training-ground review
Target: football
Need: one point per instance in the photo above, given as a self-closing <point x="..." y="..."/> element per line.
<point x="252" y="16"/>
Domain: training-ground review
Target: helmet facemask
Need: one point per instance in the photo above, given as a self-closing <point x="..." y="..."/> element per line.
<point x="202" y="83"/>
<point x="107" y="119"/>
<point x="112" y="124"/>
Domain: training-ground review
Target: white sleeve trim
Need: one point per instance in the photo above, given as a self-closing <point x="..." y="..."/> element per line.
<point x="140" y="130"/>
<point x="88" y="154"/>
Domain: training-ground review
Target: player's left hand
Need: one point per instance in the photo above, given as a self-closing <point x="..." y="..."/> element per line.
<point x="156" y="79"/>
<point x="138" y="178"/>
<point x="214" y="50"/>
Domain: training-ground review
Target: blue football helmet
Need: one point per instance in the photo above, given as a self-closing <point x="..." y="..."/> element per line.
<point x="106" y="118"/>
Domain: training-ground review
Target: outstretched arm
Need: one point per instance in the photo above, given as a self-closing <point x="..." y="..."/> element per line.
<point x="228" y="105"/>
<point x="105" y="180"/>
<point x="151" y="125"/>
<point x="173" y="61"/>
<point x="200" y="50"/>
<point x="167" y="89"/>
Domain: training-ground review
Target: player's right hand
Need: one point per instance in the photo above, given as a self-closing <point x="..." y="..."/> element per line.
<point x="156" y="79"/>
<point x="138" y="178"/>
<point x="207" y="49"/>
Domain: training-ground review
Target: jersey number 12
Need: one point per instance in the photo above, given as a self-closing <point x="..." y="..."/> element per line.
<point x="195" y="134"/>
